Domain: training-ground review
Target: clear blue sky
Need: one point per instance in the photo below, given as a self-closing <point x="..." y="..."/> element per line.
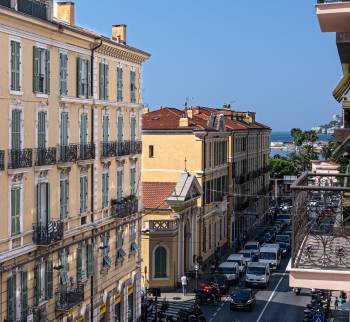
<point x="267" y="56"/>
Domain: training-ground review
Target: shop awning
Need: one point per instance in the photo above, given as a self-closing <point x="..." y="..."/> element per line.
<point x="342" y="88"/>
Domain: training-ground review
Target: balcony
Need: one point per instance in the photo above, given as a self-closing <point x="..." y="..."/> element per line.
<point x="44" y="156"/>
<point x="2" y="160"/>
<point x="240" y="179"/>
<point x="109" y="149"/>
<point x="160" y="226"/>
<point x="5" y="3"/>
<point x="321" y="230"/>
<point x="125" y="207"/>
<point x="20" y="158"/>
<point x="68" y="153"/>
<point x="333" y="16"/>
<point x="47" y="234"/>
<point x="135" y="147"/>
<point x="33" y="8"/>
<point x="69" y="298"/>
<point x="86" y="152"/>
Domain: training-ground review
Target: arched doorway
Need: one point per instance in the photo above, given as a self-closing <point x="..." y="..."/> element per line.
<point x="187" y="245"/>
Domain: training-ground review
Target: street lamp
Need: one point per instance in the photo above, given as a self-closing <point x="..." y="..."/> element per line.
<point x="196" y="269"/>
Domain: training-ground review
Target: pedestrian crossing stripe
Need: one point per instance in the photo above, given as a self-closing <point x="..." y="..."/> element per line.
<point x="173" y="309"/>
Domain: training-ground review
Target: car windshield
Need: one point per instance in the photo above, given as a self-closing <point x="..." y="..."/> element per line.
<point x="282" y="239"/>
<point x="282" y="245"/>
<point x="256" y="270"/>
<point x="241" y="295"/>
<point x="246" y="255"/>
<point x="267" y="255"/>
<point x="226" y="270"/>
<point x="251" y="246"/>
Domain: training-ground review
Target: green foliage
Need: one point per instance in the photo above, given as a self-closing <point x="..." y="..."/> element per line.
<point x="281" y="166"/>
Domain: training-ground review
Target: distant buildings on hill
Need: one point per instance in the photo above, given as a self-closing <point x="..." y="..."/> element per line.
<point x="335" y="123"/>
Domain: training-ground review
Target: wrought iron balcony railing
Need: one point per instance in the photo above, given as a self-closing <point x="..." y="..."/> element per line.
<point x="86" y="151"/>
<point x="20" y="158"/>
<point x="45" y="156"/>
<point x="135" y="147"/>
<point x="68" y="153"/>
<point x="160" y="226"/>
<point x="69" y="298"/>
<point x="48" y="233"/>
<point x="109" y="149"/>
<point x="2" y="160"/>
<point x="125" y="207"/>
<point x="321" y="222"/>
<point x="33" y="8"/>
<point x="5" y="3"/>
<point x="123" y="148"/>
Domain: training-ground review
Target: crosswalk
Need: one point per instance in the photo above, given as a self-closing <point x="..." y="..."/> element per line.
<point x="173" y="309"/>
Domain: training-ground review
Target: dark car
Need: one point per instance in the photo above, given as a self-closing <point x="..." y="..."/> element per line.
<point x="221" y="280"/>
<point x="242" y="298"/>
<point x="284" y="248"/>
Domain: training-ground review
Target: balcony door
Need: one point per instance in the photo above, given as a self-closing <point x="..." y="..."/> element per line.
<point x="16" y="130"/>
<point x="43" y="203"/>
<point x="64" y="129"/>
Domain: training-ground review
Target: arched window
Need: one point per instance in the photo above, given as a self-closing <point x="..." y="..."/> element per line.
<point x="160" y="262"/>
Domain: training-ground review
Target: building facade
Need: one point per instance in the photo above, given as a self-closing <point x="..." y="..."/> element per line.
<point x="70" y="149"/>
<point x="176" y="143"/>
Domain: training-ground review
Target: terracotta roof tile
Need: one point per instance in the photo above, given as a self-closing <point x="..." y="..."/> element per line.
<point x="155" y="193"/>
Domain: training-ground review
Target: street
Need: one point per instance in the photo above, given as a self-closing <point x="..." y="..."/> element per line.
<point x="277" y="303"/>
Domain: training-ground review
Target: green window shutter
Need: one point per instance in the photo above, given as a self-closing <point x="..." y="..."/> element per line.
<point x="41" y="130"/>
<point x="132" y="128"/>
<point x="132" y="87"/>
<point x="160" y="262"/>
<point x="79" y="77"/>
<point x="101" y="79"/>
<point x="62" y="199"/>
<point x="105" y="125"/>
<point x="15" y="211"/>
<point x="48" y="279"/>
<point x="38" y="202"/>
<point x="36" y="69"/>
<point x="37" y="284"/>
<point x="106" y="81"/>
<point x="89" y="79"/>
<point x="119" y="84"/>
<point x="79" y="263"/>
<point x="24" y="293"/>
<point x="15" y="66"/>
<point x="64" y="129"/>
<point x="48" y="196"/>
<point x="90" y="259"/>
<point x="63" y="74"/>
<point x="81" y="195"/>
<point x="11" y="298"/>
<point x="16" y="130"/>
<point x="47" y="71"/>
<point x="120" y="127"/>
<point x="67" y="198"/>
<point x="132" y="181"/>
<point x="83" y="129"/>
<point x="86" y="192"/>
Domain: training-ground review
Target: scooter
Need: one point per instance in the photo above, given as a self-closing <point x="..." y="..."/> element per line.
<point x="205" y="297"/>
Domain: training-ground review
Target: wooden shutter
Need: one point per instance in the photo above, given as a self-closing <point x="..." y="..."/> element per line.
<point x="48" y="202"/>
<point x="105" y="128"/>
<point x="79" y="263"/>
<point x="119" y="84"/>
<point x="106" y="78"/>
<point x="64" y="129"/>
<point x="101" y="80"/>
<point x="11" y="298"/>
<point x="63" y="74"/>
<point x="15" y="211"/>
<point x="36" y="69"/>
<point x="132" y="128"/>
<point x="15" y="66"/>
<point x="16" y="130"/>
<point x="41" y="130"/>
<point x="85" y="192"/>
<point x="24" y="293"/>
<point x="81" y="195"/>
<point x="47" y="71"/>
<point x="83" y="129"/>
<point x="37" y="284"/>
<point x="132" y="181"/>
<point x="90" y="259"/>
<point x="79" y="77"/>
<point x="48" y="279"/>
<point x="120" y="127"/>
<point x="89" y="79"/>
<point x="62" y="199"/>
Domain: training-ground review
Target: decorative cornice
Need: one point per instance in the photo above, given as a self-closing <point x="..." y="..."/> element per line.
<point x="119" y="53"/>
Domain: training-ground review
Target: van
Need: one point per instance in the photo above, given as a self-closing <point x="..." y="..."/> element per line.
<point x="270" y="254"/>
<point x="239" y="259"/>
<point x="257" y="274"/>
<point x="230" y="270"/>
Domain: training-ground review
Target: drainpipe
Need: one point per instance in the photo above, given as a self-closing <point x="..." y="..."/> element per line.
<point x="92" y="174"/>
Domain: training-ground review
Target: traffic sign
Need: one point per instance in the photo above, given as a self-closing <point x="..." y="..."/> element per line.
<point x="318" y="317"/>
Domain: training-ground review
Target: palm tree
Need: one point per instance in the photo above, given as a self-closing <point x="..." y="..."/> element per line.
<point x="326" y="151"/>
<point x="298" y="138"/>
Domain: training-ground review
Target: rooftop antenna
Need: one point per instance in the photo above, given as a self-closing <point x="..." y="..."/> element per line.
<point x="187" y="101"/>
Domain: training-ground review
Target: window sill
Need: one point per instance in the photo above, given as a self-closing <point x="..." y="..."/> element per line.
<point x="16" y="93"/>
<point x="41" y="95"/>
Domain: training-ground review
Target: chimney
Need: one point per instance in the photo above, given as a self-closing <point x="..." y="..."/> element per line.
<point x="183" y="122"/>
<point x="145" y="110"/>
<point x="189" y="113"/>
<point x="119" y="33"/>
<point x="66" y="12"/>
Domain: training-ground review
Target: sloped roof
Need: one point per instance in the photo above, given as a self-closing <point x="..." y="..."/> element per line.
<point x="187" y="188"/>
<point x="154" y="194"/>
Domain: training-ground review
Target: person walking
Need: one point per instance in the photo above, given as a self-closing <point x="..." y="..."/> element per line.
<point x="184" y="284"/>
<point x="336" y="303"/>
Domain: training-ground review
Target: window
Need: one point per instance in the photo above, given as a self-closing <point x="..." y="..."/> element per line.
<point x="41" y="75"/>
<point x="17" y="296"/>
<point x="90" y="259"/>
<point x="104" y="68"/>
<point x="16" y="130"/>
<point x="132" y="86"/>
<point x="120" y="243"/>
<point x="151" y="151"/>
<point x="43" y="203"/>
<point x="160" y="262"/>
<point x="220" y="229"/>
<point x="43" y="282"/>
<point x="64" y="198"/>
<point x="63" y="255"/>
<point x="105" y="188"/>
<point x="132" y="237"/>
<point x="119" y="84"/>
<point x="84" y="87"/>
<point x="82" y="262"/>
<point x="15" y="66"/>
<point x="64" y="136"/>
<point x="83" y="194"/>
<point x="120" y="126"/>
<point x="132" y="181"/>
<point x="41" y="128"/>
<point x="63" y="74"/>
<point x="105" y="127"/>
<point x="132" y="128"/>
<point x="15" y="211"/>
<point x="120" y="176"/>
<point x="107" y="261"/>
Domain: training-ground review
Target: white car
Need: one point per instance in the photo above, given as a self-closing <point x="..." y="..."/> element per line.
<point x="230" y="270"/>
<point x="258" y="274"/>
<point x="248" y="256"/>
<point x="239" y="259"/>
<point x="254" y="246"/>
<point x="270" y="254"/>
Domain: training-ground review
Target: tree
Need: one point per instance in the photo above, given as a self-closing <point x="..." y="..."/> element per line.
<point x="298" y="138"/>
<point x="281" y="166"/>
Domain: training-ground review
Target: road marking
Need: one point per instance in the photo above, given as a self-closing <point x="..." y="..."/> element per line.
<point x="270" y="298"/>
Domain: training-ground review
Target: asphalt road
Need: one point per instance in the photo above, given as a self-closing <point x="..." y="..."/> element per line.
<point x="277" y="303"/>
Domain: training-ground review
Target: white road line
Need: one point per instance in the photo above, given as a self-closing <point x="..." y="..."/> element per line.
<point x="271" y="296"/>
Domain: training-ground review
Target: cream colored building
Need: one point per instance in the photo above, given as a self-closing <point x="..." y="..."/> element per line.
<point x="177" y="142"/>
<point x="70" y="147"/>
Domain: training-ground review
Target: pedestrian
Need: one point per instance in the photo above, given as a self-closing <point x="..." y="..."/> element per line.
<point x="336" y="302"/>
<point x="184" y="284"/>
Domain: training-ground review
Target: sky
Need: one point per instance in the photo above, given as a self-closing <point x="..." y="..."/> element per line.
<point x="264" y="56"/>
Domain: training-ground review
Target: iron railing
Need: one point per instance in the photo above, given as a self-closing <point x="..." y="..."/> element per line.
<point x="109" y="149"/>
<point x="86" y="151"/>
<point x="20" y="158"/>
<point x="48" y="233"/>
<point x="159" y="226"/>
<point x="321" y="222"/>
<point x="45" y="156"/>
<point x="69" y="298"/>
<point x="135" y="147"/>
<point x="2" y="160"/>
<point x="33" y="8"/>
<point x="68" y="153"/>
<point x="5" y="3"/>
<point x="125" y="207"/>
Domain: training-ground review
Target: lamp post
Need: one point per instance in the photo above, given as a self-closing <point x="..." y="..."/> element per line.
<point x="196" y="268"/>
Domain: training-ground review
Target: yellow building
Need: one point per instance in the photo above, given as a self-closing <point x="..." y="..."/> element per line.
<point x="177" y="142"/>
<point x="70" y="147"/>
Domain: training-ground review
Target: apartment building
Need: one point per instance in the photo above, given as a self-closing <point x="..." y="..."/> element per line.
<point x="70" y="144"/>
<point x="248" y="159"/>
<point x="184" y="222"/>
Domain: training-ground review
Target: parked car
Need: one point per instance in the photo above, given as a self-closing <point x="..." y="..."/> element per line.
<point x="239" y="259"/>
<point x="284" y="248"/>
<point x="242" y="298"/>
<point x="230" y="270"/>
<point x="270" y="254"/>
<point x="253" y="245"/>
<point x="283" y="238"/>
<point x="248" y="256"/>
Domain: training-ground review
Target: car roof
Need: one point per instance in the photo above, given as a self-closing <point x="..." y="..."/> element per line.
<point x="246" y="251"/>
<point x="228" y="265"/>
<point x="257" y="264"/>
<point x="251" y="242"/>
<point x="239" y="289"/>
<point x="235" y="256"/>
